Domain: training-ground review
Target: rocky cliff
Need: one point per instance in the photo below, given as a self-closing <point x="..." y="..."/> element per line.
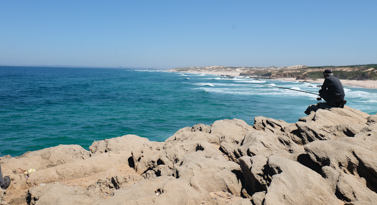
<point x="327" y="157"/>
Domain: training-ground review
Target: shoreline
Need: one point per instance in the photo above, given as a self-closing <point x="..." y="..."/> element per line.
<point x="370" y="84"/>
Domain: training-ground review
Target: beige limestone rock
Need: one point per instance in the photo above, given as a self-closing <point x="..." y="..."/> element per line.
<point x="126" y="143"/>
<point x="46" y="158"/>
<point x="161" y="190"/>
<point x="334" y="123"/>
<point x="59" y="194"/>
<point x="231" y="131"/>
<point x="328" y="157"/>
<point x="293" y="183"/>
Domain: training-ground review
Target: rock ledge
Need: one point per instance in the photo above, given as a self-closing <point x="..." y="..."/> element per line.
<point x="327" y="157"/>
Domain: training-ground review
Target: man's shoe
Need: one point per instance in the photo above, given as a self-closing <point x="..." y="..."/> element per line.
<point x="6" y="182"/>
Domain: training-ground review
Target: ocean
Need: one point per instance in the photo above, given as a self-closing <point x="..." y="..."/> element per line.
<point x="42" y="107"/>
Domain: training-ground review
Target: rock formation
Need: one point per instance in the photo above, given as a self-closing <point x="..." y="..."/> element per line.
<point x="324" y="158"/>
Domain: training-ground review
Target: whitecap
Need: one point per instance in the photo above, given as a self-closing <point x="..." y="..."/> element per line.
<point x="310" y="85"/>
<point x="255" y="91"/>
<point x="204" y="84"/>
<point x="359" y="94"/>
<point x="252" y="81"/>
<point x="346" y="90"/>
<point x="366" y="101"/>
<point x="150" y="70"/>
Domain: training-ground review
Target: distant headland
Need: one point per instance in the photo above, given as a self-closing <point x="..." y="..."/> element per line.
<point x="354" y="75"/>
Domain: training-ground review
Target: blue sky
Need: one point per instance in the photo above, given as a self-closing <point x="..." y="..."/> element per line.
<point x="169" y="34"/>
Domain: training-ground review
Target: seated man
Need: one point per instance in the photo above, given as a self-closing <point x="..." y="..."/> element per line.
<point x="332" y="90"/>
<point x="4" y="181"/>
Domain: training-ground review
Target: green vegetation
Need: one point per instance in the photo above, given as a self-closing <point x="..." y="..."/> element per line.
<point x="266" y="74"/>
<point x="350" y="72"/>
<point x="314" y="75"/>
<point x="357" y="75"/>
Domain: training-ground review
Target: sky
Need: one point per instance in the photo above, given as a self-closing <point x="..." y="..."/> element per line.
<point x="183" y="33"/>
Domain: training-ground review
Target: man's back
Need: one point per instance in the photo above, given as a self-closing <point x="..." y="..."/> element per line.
<point x="333" y="86"/>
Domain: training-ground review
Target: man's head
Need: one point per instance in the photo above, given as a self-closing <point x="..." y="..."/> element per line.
<point x="327" y="72"/>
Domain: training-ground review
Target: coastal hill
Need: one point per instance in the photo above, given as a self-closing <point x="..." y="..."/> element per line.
<point x="300" y="72"/>
<point x="327" y="157"/>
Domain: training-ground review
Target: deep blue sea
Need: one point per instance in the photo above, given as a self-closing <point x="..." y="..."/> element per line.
<point x="42" y="107"/>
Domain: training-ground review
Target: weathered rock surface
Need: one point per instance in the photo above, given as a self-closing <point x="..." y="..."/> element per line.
<point x="326" y="157"/>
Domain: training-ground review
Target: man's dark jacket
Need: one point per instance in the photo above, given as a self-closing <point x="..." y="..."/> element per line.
<point x="332" y="90"/>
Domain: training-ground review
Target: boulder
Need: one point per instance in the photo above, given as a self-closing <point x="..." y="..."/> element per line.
<point x="46" y="158"/>
<point x="276" y="180"/>
<point x="231" y="131"/>
<point x="293" y="183"/>
<point x="334" y="123"/>
<point x="77" y="169"/>
<point x="253" y="175"/>
<point x="352" y="190"/>
<point x="263" y="143"/>
<point x="198" y="132"/>
<point x="161" y="190"/>
<point x="349" y="156"/>
<point x="126" y="143"/>
<point x="59" y="194"/>
<point x="271" y="125"/>
<point x="266" y="144"/>
<point x="210" y="174"/>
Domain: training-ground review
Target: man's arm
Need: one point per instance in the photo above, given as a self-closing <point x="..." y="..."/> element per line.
<point x="325" y="84"/>
<point x="324" y="87"/>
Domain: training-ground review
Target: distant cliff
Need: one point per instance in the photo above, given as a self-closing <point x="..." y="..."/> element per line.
<point x="352" y="72"/>
<point x="327" y="157"/>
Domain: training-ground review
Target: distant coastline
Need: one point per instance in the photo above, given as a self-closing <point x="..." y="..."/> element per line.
<point x="285" y="73"/>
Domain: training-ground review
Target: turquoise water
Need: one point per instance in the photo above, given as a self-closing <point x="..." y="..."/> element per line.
<point x="42" y="107"/>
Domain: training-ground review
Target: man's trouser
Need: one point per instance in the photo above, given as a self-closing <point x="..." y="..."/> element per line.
<point x="336" y="101"/>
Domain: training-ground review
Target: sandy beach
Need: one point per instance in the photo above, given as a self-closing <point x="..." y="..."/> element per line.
<point x="372" y="84"/>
